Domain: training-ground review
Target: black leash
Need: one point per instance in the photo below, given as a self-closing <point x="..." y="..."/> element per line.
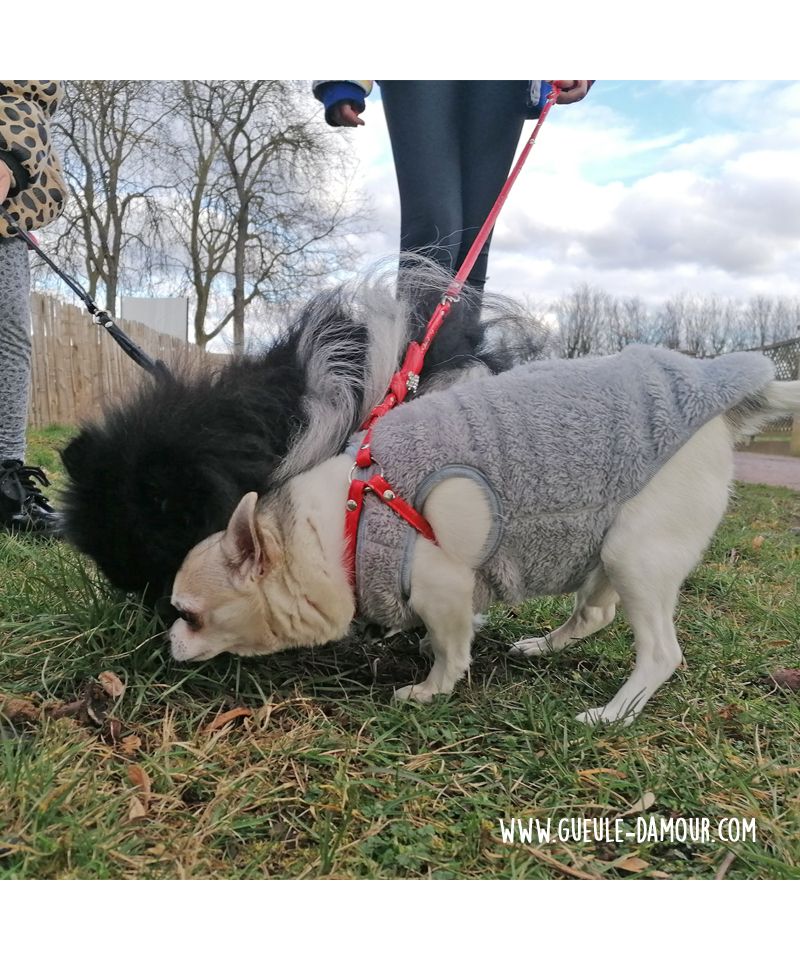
<point x="156" y="368"/>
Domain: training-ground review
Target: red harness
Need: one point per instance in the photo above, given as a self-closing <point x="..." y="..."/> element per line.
<point x="405" y="381"/>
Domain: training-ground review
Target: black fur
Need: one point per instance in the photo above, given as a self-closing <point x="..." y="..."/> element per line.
<point x="162" y="472"/>
<point x="166" y="469"/>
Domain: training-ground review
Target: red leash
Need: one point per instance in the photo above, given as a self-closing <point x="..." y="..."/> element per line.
<point x="407" y="377"/>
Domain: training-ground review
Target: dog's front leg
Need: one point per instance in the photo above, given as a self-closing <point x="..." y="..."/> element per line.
<point x="441" y="593"/>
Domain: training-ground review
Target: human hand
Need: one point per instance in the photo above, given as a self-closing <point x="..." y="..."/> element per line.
<point x="6" y="181"/>
<point x="344" y="114"/>
<point x="570" y="91"/>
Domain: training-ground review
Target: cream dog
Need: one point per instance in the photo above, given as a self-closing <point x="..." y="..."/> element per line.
<point x="608" y="476"/>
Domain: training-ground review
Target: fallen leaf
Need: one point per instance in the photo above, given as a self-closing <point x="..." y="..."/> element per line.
<point x="787" y="678"/>
<point x="112" y="684"/>
<point x="590" y="774"/>
<point x="758" y="542"/>
<point x="136" y="810"/>
<point x="130" y="745"/>
<point x="18" y="709"/>
<point x="644" y="803"/>
<point x="226" y="717"/>
<point x="139" y="778"/>
<point x="631" y="864"/>
<point x="660" y="875"/>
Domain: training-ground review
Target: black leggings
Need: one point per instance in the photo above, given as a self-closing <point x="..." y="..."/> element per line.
<point x="453" y="143"/>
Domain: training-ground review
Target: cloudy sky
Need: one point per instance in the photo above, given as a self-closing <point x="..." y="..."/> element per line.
<point x="644" y="188"/>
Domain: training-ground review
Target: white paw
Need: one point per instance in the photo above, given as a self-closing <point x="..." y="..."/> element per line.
<point x="425" y="646"/>
<point x="479" y="621"/>
<point x="605" y="714"/>
<point x="531" y="647"/>
<point x="415" y="691"/>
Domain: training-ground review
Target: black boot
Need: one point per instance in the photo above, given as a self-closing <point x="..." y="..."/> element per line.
<point x="23" y="506"/>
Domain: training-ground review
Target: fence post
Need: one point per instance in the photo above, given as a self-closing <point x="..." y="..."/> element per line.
<point x="794" y="440"/>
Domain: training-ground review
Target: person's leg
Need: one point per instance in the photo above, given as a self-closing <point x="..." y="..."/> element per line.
<point x="15" y="347"/>
<point x="423" y="119"/>
<point x="492" y="115"/>
<point x="23" y="507"/>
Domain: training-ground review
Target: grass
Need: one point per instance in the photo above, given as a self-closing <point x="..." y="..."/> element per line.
<point x="325" y="776"/>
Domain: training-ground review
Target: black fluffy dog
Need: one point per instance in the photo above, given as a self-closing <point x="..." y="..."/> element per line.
<point x="164" y="470"/>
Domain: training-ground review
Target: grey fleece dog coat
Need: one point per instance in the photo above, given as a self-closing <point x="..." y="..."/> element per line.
<point x="557" y="447"/>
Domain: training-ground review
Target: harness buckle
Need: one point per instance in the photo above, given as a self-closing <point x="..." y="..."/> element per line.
<point x="356" y="467"/>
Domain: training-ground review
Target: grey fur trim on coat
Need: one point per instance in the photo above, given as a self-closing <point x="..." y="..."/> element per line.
<point x="558" y="446"/>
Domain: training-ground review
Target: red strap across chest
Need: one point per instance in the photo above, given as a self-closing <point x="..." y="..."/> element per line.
<point x="380" y="486"/>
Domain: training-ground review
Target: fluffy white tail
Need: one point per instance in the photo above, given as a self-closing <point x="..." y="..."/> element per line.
<point x="781" y="398"/>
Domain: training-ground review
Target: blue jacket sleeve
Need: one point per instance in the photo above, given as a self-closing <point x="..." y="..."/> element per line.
<point x="337" y="91"/>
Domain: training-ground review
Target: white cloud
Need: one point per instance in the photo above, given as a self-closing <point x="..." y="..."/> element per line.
<point x="711" y="206"/>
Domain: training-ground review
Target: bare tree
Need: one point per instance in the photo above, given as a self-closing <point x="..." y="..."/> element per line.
<point x="629" y="322"/>
<point x="760" y="315"/>
<point x="262" y="201"/>
<point x="786" y="319"/>
<point x="672" y="321"/>
<point x="108" y="135"/>
<point x="582" y="321"/>
<point x="720" y="320"/>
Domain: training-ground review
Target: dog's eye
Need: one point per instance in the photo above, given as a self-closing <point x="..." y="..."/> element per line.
<point x="191" y="619"/>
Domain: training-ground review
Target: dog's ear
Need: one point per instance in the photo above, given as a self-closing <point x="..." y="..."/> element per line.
<point x="250" y="550"/>
<point x="79" y="455"/>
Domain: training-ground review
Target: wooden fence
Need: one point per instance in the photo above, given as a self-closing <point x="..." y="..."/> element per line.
<point x="78" y="370"/>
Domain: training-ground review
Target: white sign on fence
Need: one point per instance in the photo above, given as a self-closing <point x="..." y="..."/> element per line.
<point x="168" y="315"/>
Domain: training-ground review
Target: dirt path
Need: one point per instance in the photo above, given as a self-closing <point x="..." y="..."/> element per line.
<point x="775" y="471"/>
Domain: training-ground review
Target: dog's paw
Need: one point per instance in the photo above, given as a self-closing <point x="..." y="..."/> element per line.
<point x="606" y="714"/>
<point x="531" y="647"/>
<point x="415" y="691"/>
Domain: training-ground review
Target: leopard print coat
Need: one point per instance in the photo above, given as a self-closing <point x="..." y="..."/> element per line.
<point x="38" y="193"/>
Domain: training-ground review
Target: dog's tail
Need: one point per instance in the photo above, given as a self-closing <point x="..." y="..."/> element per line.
<point x="780" y="398"/>
<point x="351" y="340"/>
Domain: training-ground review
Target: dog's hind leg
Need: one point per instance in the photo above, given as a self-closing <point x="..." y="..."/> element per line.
<point x="441" y="593"/>
<point x="657" y="656"/>
<point x="655" y="542"/>
<point x="595" y="608"/>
